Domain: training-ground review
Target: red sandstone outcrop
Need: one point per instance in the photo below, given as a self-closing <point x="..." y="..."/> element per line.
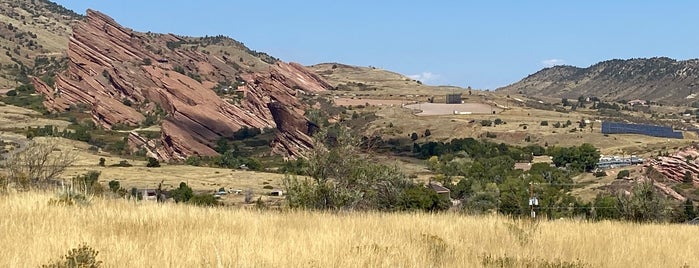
<point x="674" y="166"/>
<point x="123" y="75"/>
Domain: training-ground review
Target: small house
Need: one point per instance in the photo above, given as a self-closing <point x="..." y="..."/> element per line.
<point x="636" y="102"/>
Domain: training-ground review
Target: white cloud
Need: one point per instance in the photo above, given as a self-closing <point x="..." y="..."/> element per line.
<point x="552" y="62"/>
<point x="424" y="77"/>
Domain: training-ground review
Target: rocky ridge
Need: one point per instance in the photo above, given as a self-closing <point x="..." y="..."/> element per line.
<point x="657" y="79"/>
<point x="127" y="76"/>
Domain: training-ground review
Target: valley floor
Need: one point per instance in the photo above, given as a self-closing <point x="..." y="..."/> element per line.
<point x="129" y="234"/>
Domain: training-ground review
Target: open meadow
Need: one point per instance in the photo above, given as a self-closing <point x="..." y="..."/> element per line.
<point x="148" y="234"/>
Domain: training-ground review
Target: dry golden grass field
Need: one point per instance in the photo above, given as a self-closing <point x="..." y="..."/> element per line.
<point x="147" y="234"/>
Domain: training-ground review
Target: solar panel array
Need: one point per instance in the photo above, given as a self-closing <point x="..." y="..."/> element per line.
<point x="649" y="130"/>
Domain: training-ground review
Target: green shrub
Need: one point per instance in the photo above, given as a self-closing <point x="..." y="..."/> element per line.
<point x="81" y="257"/>
<point x="600" y="173"/>
<point x="193" y="160"/>
<point x="207" y="200"/>
<point x="182" y="194"/>
<point x="152" y="162"/>
<point x="114" y="186"/>
<point x="87" y="183"/>
<point x="544" y="123"/>
<point x="418" y="197"/>
<point x="623" y="174"/>
<point x="102" y="160"/>
<point x="267" y="187"/>
<point x="178" y="69"/>
<point x="136" y="194"/>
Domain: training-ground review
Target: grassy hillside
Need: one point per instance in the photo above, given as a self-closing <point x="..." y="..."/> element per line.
<point x="371" y="81"/>
<point x="33" y="37"/>
<point x="658" y="79"/>
<point x="128" y="234"/>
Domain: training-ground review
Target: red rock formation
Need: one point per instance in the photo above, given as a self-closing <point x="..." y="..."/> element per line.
<point x="122" y="75"/>
<point x="674" y="167"/>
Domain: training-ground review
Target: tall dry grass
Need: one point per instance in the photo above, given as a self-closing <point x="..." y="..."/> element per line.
<point x="129" y="234"/>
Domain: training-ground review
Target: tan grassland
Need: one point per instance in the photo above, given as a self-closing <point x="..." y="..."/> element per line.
<point x="146" y="234"/>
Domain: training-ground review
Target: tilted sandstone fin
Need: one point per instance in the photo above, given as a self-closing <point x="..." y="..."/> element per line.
<point x="124" y="76"/>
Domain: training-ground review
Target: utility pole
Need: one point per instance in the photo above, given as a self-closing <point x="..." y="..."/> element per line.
<point x="532" y="200"/>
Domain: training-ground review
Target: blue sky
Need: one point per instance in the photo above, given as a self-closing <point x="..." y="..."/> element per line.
<point x="485" y="44"/>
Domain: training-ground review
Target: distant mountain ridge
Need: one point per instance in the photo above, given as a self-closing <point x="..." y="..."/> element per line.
<point x="659" y="79"/>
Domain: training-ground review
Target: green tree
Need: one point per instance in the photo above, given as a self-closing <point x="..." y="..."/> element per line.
<point x="689" y="210"/>
<point x="688" y="177"/>
<point x="343" y="178"/>
<point x="222" y="146"/>
<point x="102" y="160"/>
<point x="565" y="102"/>
<point x="413" y="136"/>
<point x="644" y="204"/>
<point x="152" y="162"/>
<point x="87" y="183"/>
<point x="205" y="200"/>
<point x="114" y="185"/>
<point x="514" y="197"/>
<point x="606" y="207"/>
<point x="483" y="199"/>
<point x="427" y="132"/>
<point x="580" y="158"/>
<point x="182" y="194"/>
<point x="419" y="197"/>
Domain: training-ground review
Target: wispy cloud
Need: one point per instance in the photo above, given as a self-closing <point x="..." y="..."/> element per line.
<point x="424" y="77"/>
<point x="552" y="62"/>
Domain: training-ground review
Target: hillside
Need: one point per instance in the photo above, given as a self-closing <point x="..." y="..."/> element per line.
<point x="375" y="81"/>
<point x="661" y="80"/>
<point x="33" y="38"/>
<point x="199" y="89"/>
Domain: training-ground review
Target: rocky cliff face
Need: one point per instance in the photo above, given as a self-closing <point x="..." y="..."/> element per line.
<point x="127" y="76"/>
<point x="657" y="79"/>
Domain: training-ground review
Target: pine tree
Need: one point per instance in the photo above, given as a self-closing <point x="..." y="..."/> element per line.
<point x="688" y="178"/>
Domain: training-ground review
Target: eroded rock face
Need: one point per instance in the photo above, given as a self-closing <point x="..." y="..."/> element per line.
<point x="125" y="75"/>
